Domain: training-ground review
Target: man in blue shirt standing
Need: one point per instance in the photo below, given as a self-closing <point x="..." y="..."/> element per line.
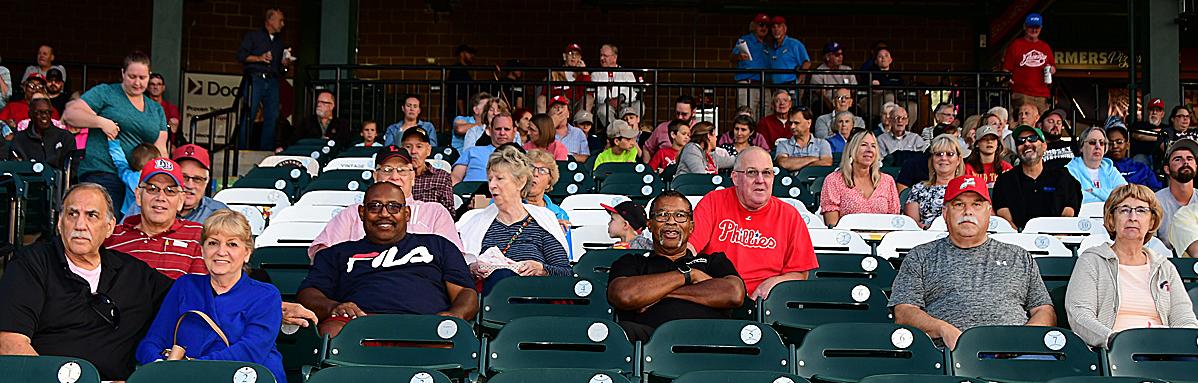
<point x="752" y="51"/>
<point x="262" y="58"/>
<point x="789" y="53"/>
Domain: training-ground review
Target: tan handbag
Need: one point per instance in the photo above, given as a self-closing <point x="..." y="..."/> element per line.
<point x="177" y="352"/>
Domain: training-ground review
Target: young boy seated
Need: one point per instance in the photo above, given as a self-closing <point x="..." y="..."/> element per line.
<point x="621" y="144"/>
<point x="130" y="171"/>
<point x="628" y="220"/>
<point x="370" y="134"/>
<point x="680" y="135"/>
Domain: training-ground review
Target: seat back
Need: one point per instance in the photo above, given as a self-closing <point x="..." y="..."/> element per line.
<point x="832" y="241"/>
<point x="596" y="264"/>
<point x="286" y="266"/>
<point x="1055" y="271"/>
<point x="1067" y="229"/>
<point x="561" y="342"/>
<point x="852" y="351"/>
<point x="1006" y="353"/>
<point x="877" y="223"/>
<point x="446" y="344"/>
<point x="1039" y="245"/>
<point x="307" y="163"/>
<point x="340" y="198"/>
<point x="591" y="201"/>
<point x="20" y="368"/>
<point x="305" y="347"/>
<point x="253" y="215"/>
<point x="557" y="375"/>
<point x="1187" y="269"/>
<point x="285" y="185"/>
<point x="1162" y="353"/>
<point x="202" y="371"/>
<point x="1090" y="210"/>
<point x="796" y="307"/>
<point x="322" y="214"/>
<point x="590" y="236"/>
<point x="897" y="244"/>
<point x="289" y="234"/>
<point x="858" y="268"/>
<point x="319" y="184"/>
<point x="699" y="184"/>
<point x="686" y="345"/>
<point x="445" y="153"/>
<point x="356" y="163"/>
<point x="263" y="198"/>
<point x="514" y="298"/>
<point x="602" y="172"/>
<point x="738" y="377"/>
<point x="997" y="225"/>
<point x="377" y="374"/>
<point x="918" y="378"/>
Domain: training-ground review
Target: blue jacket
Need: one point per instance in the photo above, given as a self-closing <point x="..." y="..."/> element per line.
<point x="130" y="177"/>
<point x="1096" y="190"/>
<point x="248" y="313"/>
<point x="1137" y="172"/>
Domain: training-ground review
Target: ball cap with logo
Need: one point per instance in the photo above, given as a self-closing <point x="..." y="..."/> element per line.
<point x="1156" y="103"/>
<point x="559" y="100"/>
<point x="964" y="184"/>
<point x="162" y="166"/>
<point x="392" y="151"/>
<point x="761" y="18"/>
<point x="632" y="212"/>
<point x="192" y="152"/>
<point x="1034" y="20"/>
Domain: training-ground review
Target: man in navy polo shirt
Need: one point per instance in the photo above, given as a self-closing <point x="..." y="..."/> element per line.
<point x="390" y="271"/>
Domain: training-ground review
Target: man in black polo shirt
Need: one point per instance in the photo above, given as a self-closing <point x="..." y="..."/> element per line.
<point x="70" y="297"/>
<point x="262" y="57"/>
<point x="670" y="283"/>
<point x="1034" y="190"/>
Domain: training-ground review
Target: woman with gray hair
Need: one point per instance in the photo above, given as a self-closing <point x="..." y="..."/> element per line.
<point x="842" y="125"/>
<point x="1123" y="284"/>
<point x="1096" y="173"/>
<point x="510" y="237"/>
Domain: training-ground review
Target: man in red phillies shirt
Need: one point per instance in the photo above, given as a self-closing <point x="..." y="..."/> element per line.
<point x="1025" y="58"/>
<point x="765" y="238"/>
<point x="157" y="236"/>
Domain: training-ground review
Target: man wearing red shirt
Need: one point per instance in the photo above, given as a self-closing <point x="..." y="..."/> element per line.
<point x="772" y="127"/>
<point x="157" y="91"/>
<point x="1026" y="59"/>
<point x="765" y="238"/>
<point x="157" y="236"/>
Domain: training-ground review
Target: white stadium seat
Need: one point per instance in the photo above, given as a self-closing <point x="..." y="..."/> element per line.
<point x="1103" y="239"/>
<point x="309" y="163"/>
<point x="466" y="217"/>
<point x="588" y="237"/>
<point x="832" y="241"/>
<point x="1070" y="230"/>
<point x="1040" y="245"/>
<point x="340" y="198"/>
<point x="591" y="201"/>
<point x="873" y="226"/>
<point x="589" y="217"/>
<point x="273" y="199"/>
<point x="289" y="234"/>
<point x="439" y="164"/>
<point x="351" y="163"/>
<point x="997" y="225"/>
<point x="1091" y="210"/>
<point x="897" y="244"/>
<point x="253" y="215"/>
<point x="320" y="213"/>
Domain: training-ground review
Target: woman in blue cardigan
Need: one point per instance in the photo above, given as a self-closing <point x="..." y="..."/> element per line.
<point x="246" y="310"/>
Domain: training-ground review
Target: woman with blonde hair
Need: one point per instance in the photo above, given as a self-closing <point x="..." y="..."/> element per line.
<point x="1123" y="284"/>
<point x="926" y="201"/>
<point x="859" y="186"/>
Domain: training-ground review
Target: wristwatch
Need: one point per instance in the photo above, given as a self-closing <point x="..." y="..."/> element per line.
<point x="686" y="272"/>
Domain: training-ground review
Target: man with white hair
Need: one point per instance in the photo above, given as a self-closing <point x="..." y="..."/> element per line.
<point x="765" y="238"/>
<point x="898" y="138"/>
<point x="967" y="279"/>
<point x="943" y="115"/>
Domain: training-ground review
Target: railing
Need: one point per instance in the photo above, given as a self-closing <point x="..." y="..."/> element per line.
<point x="376" y="92"/>
<point x="88" y="74"/>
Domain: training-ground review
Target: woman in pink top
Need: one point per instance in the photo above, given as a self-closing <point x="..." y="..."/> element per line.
<point x="859" y="186"/>
<point x="542" y="136"/>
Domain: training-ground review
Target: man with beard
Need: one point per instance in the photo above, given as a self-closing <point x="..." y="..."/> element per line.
<point x="1034" y="190"/>
<point x="967" y="279"/>
<point x="321" y="124"/>
<point x="1179" y="169"/>
<point x="1059" y="152"/>
<point x="1147" y="135"/>
<point x="55" y="84"/>
<point x="390" y="271"/>
<point x="671" y="282"/>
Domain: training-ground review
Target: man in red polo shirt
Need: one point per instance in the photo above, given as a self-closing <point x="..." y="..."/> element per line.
<point x="157" y="236"/>
<point x="765" y="238"/>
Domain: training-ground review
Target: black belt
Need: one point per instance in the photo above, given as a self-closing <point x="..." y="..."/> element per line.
<point x="263" y="75"/>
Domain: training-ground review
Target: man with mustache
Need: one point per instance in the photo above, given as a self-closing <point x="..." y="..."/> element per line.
<point x="1034" y="189"/>
<point x="194" y="162"/>
<point x="765" y="238"/>
<point x="390" y="271"/>
<point x="671" y="282"/>
<point x="1179" y="169"/>
<point x="967" y="279"/>
<point x="1059" y="152"/>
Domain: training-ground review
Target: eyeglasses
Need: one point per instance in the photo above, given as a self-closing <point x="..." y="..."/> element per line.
<point x="666" y="216"/>
<point x="540" y="170"/>
<point x="102" y="305"/>
<point x="195" y="180"/>
<point x="376" y="207"/>
<point x="1096" y="143"/>
<point x="945" y="154"/>
<point x="1031" y="138"/>
<point x="387" y="170"/>
<point x="1127" y="210"/>
<point x="154" y="190"/>
<point x="1118" y="142"/>
<point x="755" y="173"/>
<point x="843" y="98"/>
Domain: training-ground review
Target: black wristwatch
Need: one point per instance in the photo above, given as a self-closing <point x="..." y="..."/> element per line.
<point x="686" y="272"/>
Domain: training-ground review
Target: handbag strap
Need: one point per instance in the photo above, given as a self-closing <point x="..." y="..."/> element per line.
<point x="206" y="319"/>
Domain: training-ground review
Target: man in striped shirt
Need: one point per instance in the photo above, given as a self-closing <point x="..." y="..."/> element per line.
<point x="157" y="236"/>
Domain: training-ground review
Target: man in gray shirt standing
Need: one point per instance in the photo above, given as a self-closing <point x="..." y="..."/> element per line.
<point x="967" y="279"/>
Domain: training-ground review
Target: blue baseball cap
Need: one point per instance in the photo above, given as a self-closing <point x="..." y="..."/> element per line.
<point x="1034" y="20"/>
<point x="833" y="47"/>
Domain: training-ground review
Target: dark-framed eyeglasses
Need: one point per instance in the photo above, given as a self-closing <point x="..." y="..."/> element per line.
<point x="666" y="216"/>
<point x="376" y="207"/>
<point x="541" y="170"/>
<point x="103" y="306"/>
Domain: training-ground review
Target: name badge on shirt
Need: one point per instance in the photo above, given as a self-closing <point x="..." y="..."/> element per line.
<point x="179" y="243"/>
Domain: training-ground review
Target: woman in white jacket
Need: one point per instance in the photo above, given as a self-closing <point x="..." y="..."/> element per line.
<point x="527" y="235"/>
<point x="1124" y="284"/>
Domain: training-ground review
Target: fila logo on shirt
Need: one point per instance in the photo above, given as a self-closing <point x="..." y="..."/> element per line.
<point x="388" y="258"/>
<point x="730" y="231"/>
<point x="1034" y="59"/>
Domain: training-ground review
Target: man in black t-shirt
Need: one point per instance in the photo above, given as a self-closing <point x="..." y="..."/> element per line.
<point x="388" y="272"/>
<point x="671" y="283"/>
<point x="1034" y="189"/>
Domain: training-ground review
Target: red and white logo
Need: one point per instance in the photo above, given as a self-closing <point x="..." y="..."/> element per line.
<point x="1034" y="59"/>
<point x="163" y="164"/>
<point x="730" y="231"/>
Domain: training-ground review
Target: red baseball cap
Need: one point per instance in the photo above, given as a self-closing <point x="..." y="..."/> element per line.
<point x="162" y="166"/>
<point x="778" y="20"/>
<point x="573" y="47"/>
<point x="966" y="184"/>
<point x="1156" y="103"/>
<point x="559" y="99"/>
<point x="761" y="18"/>
<point x="192" y="152"/>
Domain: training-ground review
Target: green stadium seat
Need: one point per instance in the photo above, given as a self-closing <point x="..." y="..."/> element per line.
<point x="699" y="184"/>
<point x="358" y="151"/>
<point x="466" y="188"/>
<point x="1058" y="305"/>
<point x="285" y="266"/>
<point x="514" y="298"/>
<point x="557" y="375"/>
<point x="1187" y="269"/>
<point x="990" y="352"/>
<point x="668" y="172"/>
<point x="20" y="368"/>
<point x="1103" y="379"/>
<point x="917" y="378"/>
<point x="35" y="188"/>
<point x="303" y="349"/>
<point x="738" y="377"/>
<point x="446" y="153"/>
<point x="202" y="371"/>
<point x="287" y="186"/>
<point x="442" y="343"/>
<point x="809" y="174"/>
<point x="318" y="152"/>
<point x="595" y="264"/>
<point x="639" y="187"/>
<point x="313" y="142"/>
<point x="338" y="184"/>
<point x="1055" y="271"/>
<point x="796" y="307"/>
<point x="892" y="171"/>
<point x="561" y="342"/>
<point x="687" y="345"/>
<point x="787" y="185"/>
<point x="1162" y="353"/>
<point x="869" y="269"/>
<point x="377" y="374"/>
<point x="848" y="352"/>
<point x="1194" y="298"/>
<point x="605" y="170"/>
